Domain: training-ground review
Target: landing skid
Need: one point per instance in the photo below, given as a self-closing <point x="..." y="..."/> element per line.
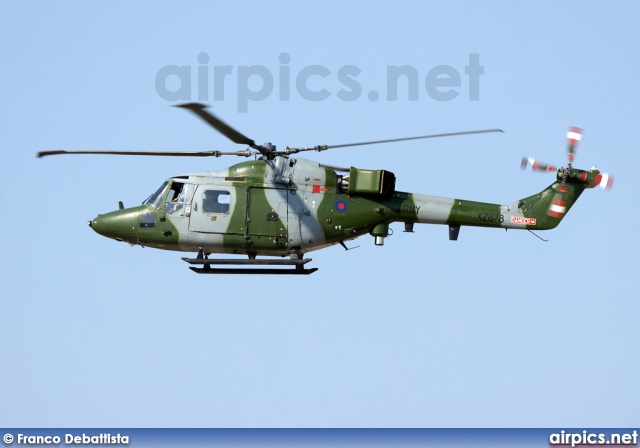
<point x="207" y="269"/>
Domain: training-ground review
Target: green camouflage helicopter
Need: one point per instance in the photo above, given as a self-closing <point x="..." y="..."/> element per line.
<point x="282" y="208"/>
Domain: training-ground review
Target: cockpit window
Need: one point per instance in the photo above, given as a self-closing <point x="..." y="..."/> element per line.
<point x="156" y="198"/>
<point x="179" y="194"/>
<point x="174" y="192"/>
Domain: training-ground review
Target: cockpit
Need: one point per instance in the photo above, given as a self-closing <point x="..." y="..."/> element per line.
<point x="172" y="196"/>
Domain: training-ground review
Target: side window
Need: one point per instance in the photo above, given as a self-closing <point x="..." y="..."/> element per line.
<point x="216" y="201"/>
<point x="147" y="220"/>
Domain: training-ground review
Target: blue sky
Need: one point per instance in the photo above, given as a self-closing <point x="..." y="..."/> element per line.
<point x="496" y="329"/>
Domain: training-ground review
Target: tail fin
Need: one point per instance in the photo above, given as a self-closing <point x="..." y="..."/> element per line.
<point x="553" y="203"/>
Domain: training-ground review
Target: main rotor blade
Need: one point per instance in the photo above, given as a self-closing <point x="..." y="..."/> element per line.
<point x="219" y="125"/>
<point x="151" y="153"/>
<point x="449" y="134"/>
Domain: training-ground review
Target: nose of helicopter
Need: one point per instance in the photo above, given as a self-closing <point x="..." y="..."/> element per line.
<point x="95" y="223"/>
<point x="119" y="225"/>
<point x="98" y="226"/>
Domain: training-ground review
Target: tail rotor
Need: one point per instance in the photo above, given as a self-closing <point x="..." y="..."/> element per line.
<point x="559" y="204"/>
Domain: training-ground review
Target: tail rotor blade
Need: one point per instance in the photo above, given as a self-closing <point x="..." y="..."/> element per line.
<point x="536" y="165"/>
<point x="574" y="135"/>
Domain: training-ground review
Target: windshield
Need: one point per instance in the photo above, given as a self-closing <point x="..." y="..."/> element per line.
<point x="156" y="198"/>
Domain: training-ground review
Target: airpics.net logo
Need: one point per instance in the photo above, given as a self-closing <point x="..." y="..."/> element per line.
<point x="591" y="438"/>
<point x="253" y="83"/>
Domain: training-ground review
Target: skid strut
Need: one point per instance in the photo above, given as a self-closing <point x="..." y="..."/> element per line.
<point x="297" y="263"/>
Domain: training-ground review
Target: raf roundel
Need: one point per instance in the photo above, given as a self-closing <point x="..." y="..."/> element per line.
<point x="341" y="205"/>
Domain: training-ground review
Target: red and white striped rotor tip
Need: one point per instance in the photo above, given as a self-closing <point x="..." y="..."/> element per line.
<point x="536" y="165"/>
<point x="574" y="135"/>
<point x="604" y="181"/>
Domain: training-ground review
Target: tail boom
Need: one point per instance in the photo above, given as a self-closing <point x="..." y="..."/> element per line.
<point x="542" y="211"/>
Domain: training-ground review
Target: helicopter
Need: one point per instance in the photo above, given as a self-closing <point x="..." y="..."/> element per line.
<point x="280" y="208"/>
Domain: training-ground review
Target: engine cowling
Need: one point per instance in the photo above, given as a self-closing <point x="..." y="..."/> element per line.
<point x="368" y="182"/>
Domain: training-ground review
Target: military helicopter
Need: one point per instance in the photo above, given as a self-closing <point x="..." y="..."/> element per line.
<point x="279" y="208"/>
